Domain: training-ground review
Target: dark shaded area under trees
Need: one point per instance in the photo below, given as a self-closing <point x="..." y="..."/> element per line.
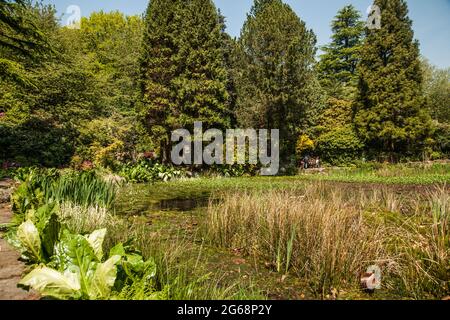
<point x="119" y="85"/>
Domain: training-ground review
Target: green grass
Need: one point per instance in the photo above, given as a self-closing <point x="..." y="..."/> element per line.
<point x="143" y="196"/>
<point x="413" y="174"/>
<point x="81" y="188"/>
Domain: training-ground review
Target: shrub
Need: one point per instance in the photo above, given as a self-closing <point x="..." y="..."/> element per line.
<point x="35" y="142"/>
<point x="304" y="145"/>
<point x="148" y="171"/>
<point x="340" y="146"/>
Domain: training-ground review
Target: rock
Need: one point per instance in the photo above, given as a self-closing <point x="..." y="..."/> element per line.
<point x="189" y="174"/>
<point x="6" y="183"/>
<point x="5" y="195"/>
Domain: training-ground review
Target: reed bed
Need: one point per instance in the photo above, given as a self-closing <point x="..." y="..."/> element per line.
<point x="328" y="236"/>
<point x="84" y="189"/>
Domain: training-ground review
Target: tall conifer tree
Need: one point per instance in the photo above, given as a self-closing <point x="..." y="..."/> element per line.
<point x="336" y="139"/>
<point x="201" y="85"/>
<point x="159" y="69"/>
<point x="276" y="59"/>
<point x="390" y="113"/>
<point x="337" y="66"/>
<point x="184" y="78"/>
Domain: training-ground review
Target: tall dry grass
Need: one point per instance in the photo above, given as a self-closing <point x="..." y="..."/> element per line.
<point x="421" y="244"/>
<point x="80" y="219"/>
<point x="329" y="235"/>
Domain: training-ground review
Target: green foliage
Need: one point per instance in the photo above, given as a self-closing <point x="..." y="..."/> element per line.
<point x="339" y="146"/>
<point x="337" y="66"/>
<point x="106" y="142"/>
<point x="67" y="265"/>
<point x="232" y="171"/>
<point x="337" y="142"/>
<point x="30" y="241"/>
<point x="182" y="69"/>
<point x="21" y="38"/>
<point x="118" y="86"/>
<point x="29" y="195"/>
<point x="85" y="188"/>
<point x="49" y="115"/>
<point x="34" y="142"/>
<point x="442" y="139"/>
<point x="78" y="272"/>
<point x="275" y="55"/>
<point x="112" y="41"/>
<point x="437" y="91"/>
<point x="41" y="186"/>
<point x="391" y="115"/>
<point x="147" y="171"/>
<point x="37" y="233"/>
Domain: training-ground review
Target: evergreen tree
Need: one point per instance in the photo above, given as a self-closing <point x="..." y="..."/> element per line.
<point x="276" y="56"/>
<point x="390" y="111"/>
<point x="184" y="77"/>
<point x="159" y="69"/>
<point x="336" y="139"/>
<point x="20" y="40"/>
<point x="19" y="32"/>
<point x="229" y="54"/>
<point x="337" y="66"/>
<point x="201" y="85"/>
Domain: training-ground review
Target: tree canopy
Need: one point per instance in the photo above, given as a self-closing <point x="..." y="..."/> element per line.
<point x="275" y="79"/>
<point x="390" y="110"/>
<point x="119" y="85"/>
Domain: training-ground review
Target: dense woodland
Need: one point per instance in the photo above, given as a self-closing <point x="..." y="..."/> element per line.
<point x="114" y="89"/>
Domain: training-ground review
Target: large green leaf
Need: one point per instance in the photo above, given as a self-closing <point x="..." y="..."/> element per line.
<point x="49" y="227"/>
<point x="52" y="283"/>
<point x="133" y="265"/>
<point x="96" y="239"/>
<point x="104" y="278"/>
<point x="75" y="250"/>
<point x="118" y="249"/>
<point x="28" y="235"/>
<point x="50" y="235"/>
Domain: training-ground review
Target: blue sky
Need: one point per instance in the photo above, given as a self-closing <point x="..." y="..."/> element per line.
<point x="431" y="18"/>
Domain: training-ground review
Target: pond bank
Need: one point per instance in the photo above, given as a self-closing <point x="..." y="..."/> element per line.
<point x="11" y="269"/>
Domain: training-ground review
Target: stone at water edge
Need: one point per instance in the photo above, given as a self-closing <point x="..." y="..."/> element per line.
<point x="5" y="195"/>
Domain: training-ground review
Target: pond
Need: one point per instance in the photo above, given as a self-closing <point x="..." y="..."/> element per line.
<point x="182" y="204"/>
